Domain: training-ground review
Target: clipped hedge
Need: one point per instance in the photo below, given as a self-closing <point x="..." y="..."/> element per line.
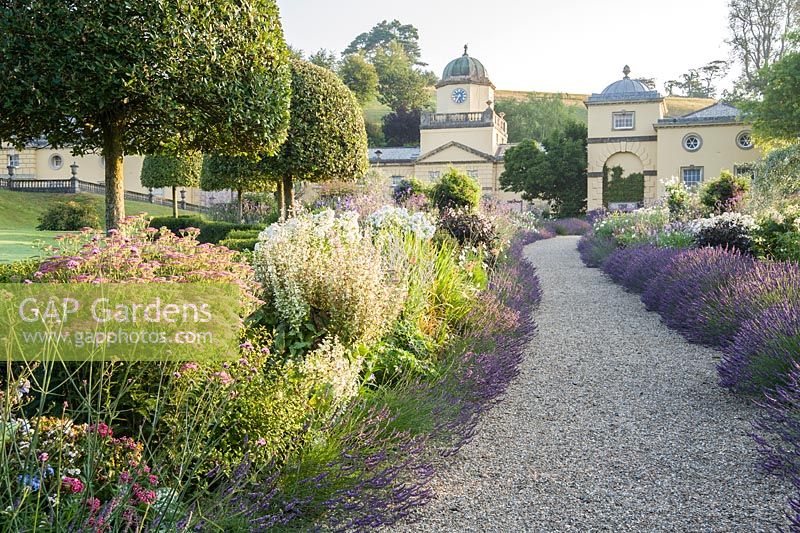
<point x="211" y="231"/>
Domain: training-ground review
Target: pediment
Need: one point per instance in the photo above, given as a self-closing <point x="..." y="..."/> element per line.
<point x="454" y="151"/>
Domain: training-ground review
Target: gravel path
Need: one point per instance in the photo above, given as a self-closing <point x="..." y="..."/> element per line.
<point x="615" y="424"/>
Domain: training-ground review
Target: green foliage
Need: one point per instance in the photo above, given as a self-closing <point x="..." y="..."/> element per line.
<point x="777" y="177"/>
<point x="401" y="87"/>
<point x="18" y="271"/>
<point x="324" y="58"/>
<point x="385" y="34"/>
<point x="237" y="173"/>
<point x="327" y="139"/>
<point x="538" y="117"/>
<point x="777" y="114"/>
<point x="622" y="189"/>
<point x="71" y="215"/>
<point x="171" y="171"/>
<point x="724" y="193"/>
<point x="401" y="128"/>
<point x="210" y="231"/>
<point x="555" y="172"/>
<point x="678" y="198"/>
<point x="143" y="77"/>
<point x="699" y="82"/>
<point x="778" y="234"/>
<point x="360" y="77"/>
<point x="454" y="190"/>
<point x="241" y="240"/>
<point x="409" y="187"/>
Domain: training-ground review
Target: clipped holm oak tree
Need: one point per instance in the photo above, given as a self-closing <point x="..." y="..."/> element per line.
<point x="236" y="173"/>
<point x="172" y="171"/>
<point x="143" y="76"/>
<point x="327" y="139"/>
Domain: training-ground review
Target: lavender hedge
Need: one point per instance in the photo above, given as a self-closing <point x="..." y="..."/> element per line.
<point x="749" y="309"/>
<point x="381" y="473"/>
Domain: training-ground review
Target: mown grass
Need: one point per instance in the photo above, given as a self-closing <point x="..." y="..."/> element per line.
<point x="19" y="213"/>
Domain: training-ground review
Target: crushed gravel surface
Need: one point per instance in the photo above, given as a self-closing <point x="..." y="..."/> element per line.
<point x="614" y="424"/>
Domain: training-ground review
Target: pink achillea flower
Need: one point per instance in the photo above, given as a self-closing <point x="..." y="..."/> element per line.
<point x="72" y="485"/>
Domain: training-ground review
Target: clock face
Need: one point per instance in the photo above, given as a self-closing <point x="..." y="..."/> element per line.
<point x="459" y="95"/>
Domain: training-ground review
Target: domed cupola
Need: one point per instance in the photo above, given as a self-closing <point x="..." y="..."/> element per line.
<point x="464" y="69"/>
<point x="625" y="90"/>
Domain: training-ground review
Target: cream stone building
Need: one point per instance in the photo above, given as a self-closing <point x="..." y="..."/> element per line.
<point x="465" y="132"/>
<point x="39" y="161"/>
<point x="629" y="126"/>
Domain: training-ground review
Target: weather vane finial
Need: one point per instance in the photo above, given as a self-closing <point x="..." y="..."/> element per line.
<point x="465" y="49"/>
<point x="626" y="70"/>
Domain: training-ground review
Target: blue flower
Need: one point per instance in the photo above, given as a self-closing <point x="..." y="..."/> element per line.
<point x="30" y="481"/>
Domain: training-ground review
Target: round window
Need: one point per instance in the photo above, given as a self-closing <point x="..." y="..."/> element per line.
<point x="744" y="140"/>
<point x="56" y="162"/>
<point x="692" y="142"/>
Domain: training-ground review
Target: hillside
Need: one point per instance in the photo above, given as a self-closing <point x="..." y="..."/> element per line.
<point x="677" y="106"/>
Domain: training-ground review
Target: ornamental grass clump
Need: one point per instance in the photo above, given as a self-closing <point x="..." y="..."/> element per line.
<point x="676" y="291"/>
<point x="322" y="275"/>
<point x="764" y="351"/>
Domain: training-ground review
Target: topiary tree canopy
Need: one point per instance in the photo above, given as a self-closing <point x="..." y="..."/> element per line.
<point x="143" y="76"/>
<point x="236" y="173"/>
<point x="171" y="171"/>
<point x="326" y="140"/>
<point x="456" y="190"/>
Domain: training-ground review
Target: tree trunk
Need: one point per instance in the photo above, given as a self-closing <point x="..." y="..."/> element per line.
<point x="175" y="201"/>
<point x="115" y="179"/>
<point x="288" y="195"/>
<point x="281" y="202"/>
<point x="240" y="198"/>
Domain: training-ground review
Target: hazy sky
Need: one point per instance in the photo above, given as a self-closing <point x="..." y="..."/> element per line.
<point x="556" y="45"/>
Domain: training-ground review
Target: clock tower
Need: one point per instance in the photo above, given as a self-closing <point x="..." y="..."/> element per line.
<point x="464" y="110"/>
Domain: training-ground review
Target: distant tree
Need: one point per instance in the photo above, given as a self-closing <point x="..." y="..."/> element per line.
<point x="554" y="171"/>
<point x="759" y="35"/>
<point x="143" y="77"/>
<point x="326" y="140"/>
<point x="360" y="77"/>
<point x="699" y="82"/>
<point x="325" y="59"/>
<point x="375" y="135"/>
<point x="401" y="87"/>
<point x="171" y="171"/>
<point x="236" y="173"/>
<point x="295" y="53"/>
<point x="401" y="128"/>
<point x="650" y="83"/>
<point x="777" y="114"/>
<point x="537" y="117"/>
<point x="382" y="35"/>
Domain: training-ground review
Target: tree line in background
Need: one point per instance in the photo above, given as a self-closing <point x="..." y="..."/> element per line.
<point x="384" y="64"/>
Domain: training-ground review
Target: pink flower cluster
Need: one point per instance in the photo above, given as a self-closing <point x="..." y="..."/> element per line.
<point x="72" y="485"/>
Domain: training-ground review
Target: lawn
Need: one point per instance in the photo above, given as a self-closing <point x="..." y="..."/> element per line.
<point x="19" y="212"/>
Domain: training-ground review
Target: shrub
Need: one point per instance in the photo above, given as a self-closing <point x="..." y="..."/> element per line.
<point x="594" y="249"/>
<point x="454" y="190"/>
<point x="730" y="230"/>
<point x="210" y="231"/>
<point x="765" y="349"/>
<point x="71" y="215"/>
<point x="778" y="234"/>
<point x="678" y="198"/>
<point x="623" y="189"/>
<point x="409" y="187"/>
<point x="724" y="193"/>
<point x="469" y="228"/>
<point x="675" y="291"/>
<point x="390" y="218"/>
<point x="18" y="271"/>
<point x="321" y="275"/>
